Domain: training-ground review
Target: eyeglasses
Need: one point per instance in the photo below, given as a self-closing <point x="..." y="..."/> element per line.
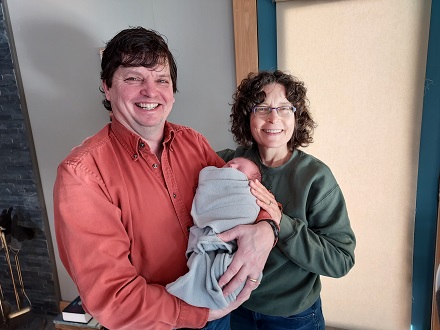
<point x="264" y="111"/>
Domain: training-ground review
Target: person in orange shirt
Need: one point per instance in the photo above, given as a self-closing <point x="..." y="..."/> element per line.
<point x="122" y="200"/>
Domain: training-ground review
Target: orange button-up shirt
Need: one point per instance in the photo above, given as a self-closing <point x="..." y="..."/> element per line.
<point x="122" y="219"/>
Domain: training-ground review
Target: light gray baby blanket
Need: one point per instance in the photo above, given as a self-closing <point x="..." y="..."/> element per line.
<point x="222" y="201"/>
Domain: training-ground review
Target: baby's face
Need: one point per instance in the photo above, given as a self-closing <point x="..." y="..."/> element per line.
<point x="243" y="165"/>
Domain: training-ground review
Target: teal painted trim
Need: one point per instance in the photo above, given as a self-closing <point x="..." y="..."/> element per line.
<point x="427" y="183"/>
<point x="267" y="35"/>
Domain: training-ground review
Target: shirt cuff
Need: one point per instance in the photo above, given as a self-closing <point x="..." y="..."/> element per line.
<point x="191" y="316"/>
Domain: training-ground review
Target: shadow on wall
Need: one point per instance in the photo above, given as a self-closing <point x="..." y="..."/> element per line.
<point x="62" y="74"/>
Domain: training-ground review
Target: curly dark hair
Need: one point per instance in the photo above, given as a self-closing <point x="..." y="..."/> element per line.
<point x="250" y="93"/>
<point x="135" y="46"/>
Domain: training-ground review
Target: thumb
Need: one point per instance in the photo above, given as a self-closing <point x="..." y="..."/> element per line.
<point x="228" y="235"/>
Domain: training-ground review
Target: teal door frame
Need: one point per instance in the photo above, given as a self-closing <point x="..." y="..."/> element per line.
<point x="427" y="183"/>
<point x="267" y="35"/>
<point x="429" y="157"/>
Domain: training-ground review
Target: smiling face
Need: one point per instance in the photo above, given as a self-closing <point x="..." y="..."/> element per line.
<point x="141" y="98"/>
<point x="274" y="131"/>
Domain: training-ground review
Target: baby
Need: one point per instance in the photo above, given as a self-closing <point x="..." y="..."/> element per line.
<point x="222" y="200"/>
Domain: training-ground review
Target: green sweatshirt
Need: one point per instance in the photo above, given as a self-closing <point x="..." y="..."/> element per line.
<point x="315" y="237"/>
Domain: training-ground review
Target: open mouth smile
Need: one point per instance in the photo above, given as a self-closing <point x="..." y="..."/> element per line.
<point x="147" y="106"/>
<point x="272" y="131"/>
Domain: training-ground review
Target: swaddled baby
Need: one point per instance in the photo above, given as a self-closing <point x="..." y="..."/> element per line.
<point x="222" y="201"/>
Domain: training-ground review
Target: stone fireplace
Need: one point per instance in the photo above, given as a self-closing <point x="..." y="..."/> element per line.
<point x="20" y="188"/>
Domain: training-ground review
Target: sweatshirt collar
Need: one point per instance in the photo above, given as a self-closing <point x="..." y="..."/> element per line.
<point x="254" y="155"/>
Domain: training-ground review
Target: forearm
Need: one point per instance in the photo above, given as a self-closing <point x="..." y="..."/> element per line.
<point x="325" y="251"/>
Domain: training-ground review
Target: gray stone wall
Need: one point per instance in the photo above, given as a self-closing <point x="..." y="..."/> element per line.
<point x="19" y="189"/>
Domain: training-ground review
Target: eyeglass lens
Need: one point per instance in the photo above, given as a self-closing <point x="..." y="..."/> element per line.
<point x="283" y="111"/>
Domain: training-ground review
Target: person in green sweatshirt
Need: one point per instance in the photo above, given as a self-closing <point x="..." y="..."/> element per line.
<point x="270" y="120"/>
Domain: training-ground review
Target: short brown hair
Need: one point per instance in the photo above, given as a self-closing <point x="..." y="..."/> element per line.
<point x="136" y="46"/>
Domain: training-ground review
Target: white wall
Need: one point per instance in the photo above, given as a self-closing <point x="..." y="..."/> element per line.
<point x="364" y="65"/>
<point x="57" y="46"/>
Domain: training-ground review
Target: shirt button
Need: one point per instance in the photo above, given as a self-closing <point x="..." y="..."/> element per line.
<point x="154" y="165"/>
<point x="174" y="195"/>
<point x="135" y="156"/>
<point x="141" y="145"/>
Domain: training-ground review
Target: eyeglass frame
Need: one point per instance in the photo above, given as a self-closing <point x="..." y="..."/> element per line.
<point x="271" y="109"/>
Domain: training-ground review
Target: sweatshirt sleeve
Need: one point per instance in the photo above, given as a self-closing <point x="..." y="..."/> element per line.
<point x="322" y="242"/>
<point x="95" y="250"/>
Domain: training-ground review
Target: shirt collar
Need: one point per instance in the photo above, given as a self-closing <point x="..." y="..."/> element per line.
<point x="133" y="142"/>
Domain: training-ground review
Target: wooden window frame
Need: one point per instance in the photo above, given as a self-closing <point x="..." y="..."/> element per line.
<point x="245" y="38"/>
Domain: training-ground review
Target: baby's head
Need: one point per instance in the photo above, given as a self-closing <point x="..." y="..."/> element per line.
<point x="247" y="166"/>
